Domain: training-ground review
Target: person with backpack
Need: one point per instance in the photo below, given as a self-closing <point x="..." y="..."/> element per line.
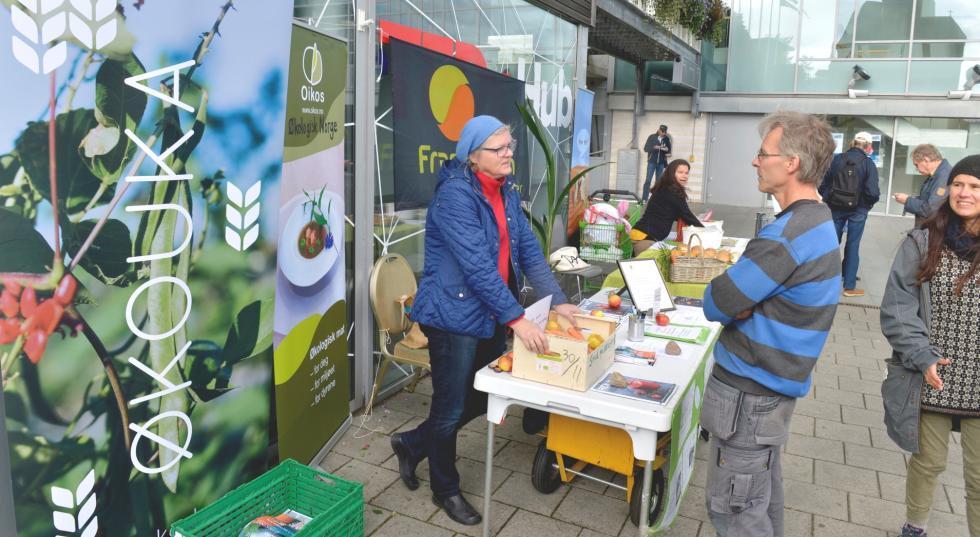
<point x="658" y="148"/>
<point x="850" y="189"/>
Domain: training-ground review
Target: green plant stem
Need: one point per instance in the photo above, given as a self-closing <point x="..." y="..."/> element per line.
<point x="11" y="356"/>
<point x="53" y="169"/>
<point x="45" y="281"/>
<point x="129" y="340"/>
<point x="199" y="244"/>
<point x="111" y="374"/>
<point x="79" y="216"/>
<point x="73" y="87"/>
<point x="202" y="49"/>
<point x="201" y="52"/>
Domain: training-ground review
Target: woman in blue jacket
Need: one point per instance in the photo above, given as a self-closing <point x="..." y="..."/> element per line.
<point x="477" y="244"/>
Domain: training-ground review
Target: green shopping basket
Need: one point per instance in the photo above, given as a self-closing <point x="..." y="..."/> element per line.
<point x="604" y="243"/>
<point x="335" y="505"/>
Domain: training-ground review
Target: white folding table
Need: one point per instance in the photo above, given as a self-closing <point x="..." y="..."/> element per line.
<point x="643" y="421"/>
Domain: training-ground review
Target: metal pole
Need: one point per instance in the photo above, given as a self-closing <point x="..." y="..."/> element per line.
<point x="488" y="480"/>
<point x="364" y="170"/>
<point x="641" y="530"/>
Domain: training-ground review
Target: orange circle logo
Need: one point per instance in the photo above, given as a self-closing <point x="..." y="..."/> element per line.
<point x="451" y="100"/>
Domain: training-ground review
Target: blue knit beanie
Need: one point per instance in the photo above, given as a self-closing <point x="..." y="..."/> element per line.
<point x="475" y="132"/>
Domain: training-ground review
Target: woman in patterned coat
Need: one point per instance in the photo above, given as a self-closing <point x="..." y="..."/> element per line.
<point x="931" y="317"/>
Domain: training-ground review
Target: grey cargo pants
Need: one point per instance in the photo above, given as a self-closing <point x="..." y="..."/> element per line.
<point x="744" y="492"/>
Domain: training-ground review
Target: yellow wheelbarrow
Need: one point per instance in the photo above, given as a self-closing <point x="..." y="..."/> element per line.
<point x="570" y="445"/>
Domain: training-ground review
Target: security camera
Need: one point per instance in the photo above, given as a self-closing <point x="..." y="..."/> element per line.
<point x="858" y="75"/>
<point x="972" y="77"/>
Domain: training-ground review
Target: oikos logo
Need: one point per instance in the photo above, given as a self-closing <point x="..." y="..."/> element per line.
<point x="313" y="72"/>
<point x="451" y="100"/>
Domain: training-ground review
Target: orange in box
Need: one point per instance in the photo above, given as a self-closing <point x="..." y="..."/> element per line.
<point x="569" y="362"/>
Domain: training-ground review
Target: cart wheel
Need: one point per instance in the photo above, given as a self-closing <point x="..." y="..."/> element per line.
<point x="656" y="496"/>
<point x="544" y="476"/>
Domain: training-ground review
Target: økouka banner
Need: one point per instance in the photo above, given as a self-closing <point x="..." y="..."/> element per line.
<point x="141" y="146"/>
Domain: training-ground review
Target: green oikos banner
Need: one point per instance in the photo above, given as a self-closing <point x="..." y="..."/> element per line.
<point x="137" y="257"/>
<point x="684" y="435"/>
<point x="311" y="364"/>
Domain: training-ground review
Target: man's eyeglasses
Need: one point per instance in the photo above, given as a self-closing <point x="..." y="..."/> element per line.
<point x="762" y="154"/>
<point x="502" y="150"/>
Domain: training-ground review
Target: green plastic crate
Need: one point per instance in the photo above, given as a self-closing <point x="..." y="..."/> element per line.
<point x="335" y="505"/>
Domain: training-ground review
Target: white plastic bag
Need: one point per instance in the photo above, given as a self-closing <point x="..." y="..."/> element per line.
<point x="710" y="235"/>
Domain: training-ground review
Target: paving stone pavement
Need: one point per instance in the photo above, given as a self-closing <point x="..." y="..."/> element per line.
<point x="843" y="476"/>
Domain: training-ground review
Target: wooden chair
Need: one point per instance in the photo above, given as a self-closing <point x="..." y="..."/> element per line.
<point x="391" y="281"/>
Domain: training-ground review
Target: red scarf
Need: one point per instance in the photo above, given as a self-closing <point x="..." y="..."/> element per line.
<point x="491" y="189"/>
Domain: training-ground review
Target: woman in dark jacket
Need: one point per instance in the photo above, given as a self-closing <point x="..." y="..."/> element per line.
<point x="668" y="202"/>
<point x="477" y="244"/>
<point x="930" y="316"/>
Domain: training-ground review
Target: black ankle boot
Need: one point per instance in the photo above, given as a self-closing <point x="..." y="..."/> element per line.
<point x="406" y="467"/>
<point x="459" y="509"/>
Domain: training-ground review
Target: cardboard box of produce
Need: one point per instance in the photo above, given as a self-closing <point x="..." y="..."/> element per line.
<point x="572" y="361"/>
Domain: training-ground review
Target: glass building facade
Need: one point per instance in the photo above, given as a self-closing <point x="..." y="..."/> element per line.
<point x="920" y="47"/>
<point x="799" y="52"/>
<point x="516" y="38"/>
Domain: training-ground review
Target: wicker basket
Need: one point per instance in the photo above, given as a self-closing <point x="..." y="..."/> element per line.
<point x="700" y="269"/>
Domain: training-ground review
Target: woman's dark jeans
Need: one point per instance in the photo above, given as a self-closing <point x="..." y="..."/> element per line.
<point x="455" y="360"/>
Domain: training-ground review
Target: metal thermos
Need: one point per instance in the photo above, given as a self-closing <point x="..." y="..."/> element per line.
<point x="635" y="329"/>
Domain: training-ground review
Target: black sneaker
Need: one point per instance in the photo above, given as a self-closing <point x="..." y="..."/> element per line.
<point x="908" y="530"/>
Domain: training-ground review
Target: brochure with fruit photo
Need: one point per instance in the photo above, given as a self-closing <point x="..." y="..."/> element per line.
<point x="650" y="391"/>
<point x="285" y="524"/>
<point x="600" y="309"/>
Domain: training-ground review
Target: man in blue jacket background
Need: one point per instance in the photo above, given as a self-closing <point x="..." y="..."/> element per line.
<point x="929" y="162"/>
<point x="852" y="220"/>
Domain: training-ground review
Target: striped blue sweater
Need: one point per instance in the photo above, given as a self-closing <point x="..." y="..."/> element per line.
<point x="790" y="277"/>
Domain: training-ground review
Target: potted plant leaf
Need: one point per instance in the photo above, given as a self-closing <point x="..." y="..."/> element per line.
<point x="555" y="204"/>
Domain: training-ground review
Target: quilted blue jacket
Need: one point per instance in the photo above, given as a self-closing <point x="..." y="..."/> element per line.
<point x="460" y="290"/>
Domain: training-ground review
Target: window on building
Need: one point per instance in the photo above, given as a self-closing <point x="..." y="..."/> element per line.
<point x="908" y="46"/>
<point x="884" y="20"/>
<point x="714" y="63"/>
<point x="937" y="76"/>
<point x="947" y="19"/>
<point x="826" y="76"/>
<point x="763" y="38"/>
<point x="826" y="29"/>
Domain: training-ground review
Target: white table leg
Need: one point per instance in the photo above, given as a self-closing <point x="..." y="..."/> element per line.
<point x="645" y="499"/>
<point x="487" y="480"/>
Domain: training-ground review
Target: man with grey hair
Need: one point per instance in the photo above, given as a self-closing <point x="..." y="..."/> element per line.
<point x="850" y="189"/>
<point x="929" y="162"/>
<point x="777" y="304"/>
